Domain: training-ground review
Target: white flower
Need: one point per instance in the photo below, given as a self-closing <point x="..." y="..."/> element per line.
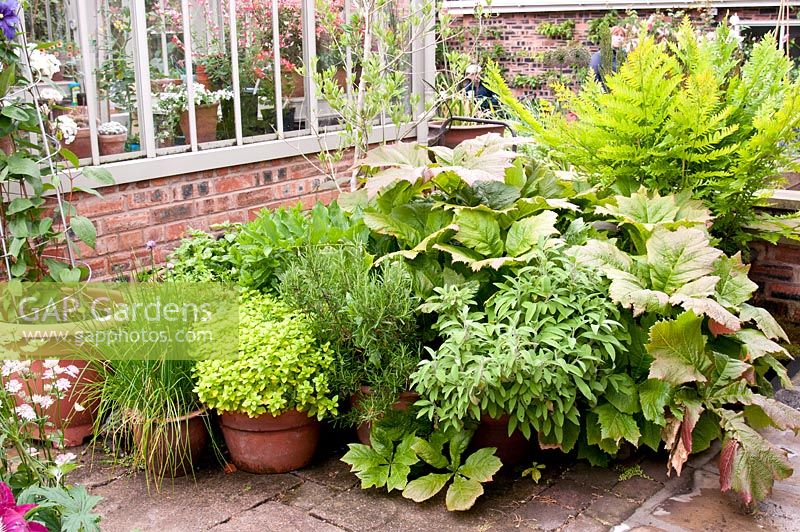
<point x="44" y="64"/>
<point x="72" y="370"/>
<point x="50" y="94"/>
<point x="79" y="407"/>
<point x="13" y="386"/>
<point x="111" y="128"/>
<point x="15" y="366"/>
<point x="62" y="385"/>
<point x="45" y="401"/>
<point x="25" y="412"/>
<point x="67" y="127"/>
<point x="64" y="458"/>
<point x="33" y="451"/>
<point x="48" y="374"/>
<point x="50" y="363"/>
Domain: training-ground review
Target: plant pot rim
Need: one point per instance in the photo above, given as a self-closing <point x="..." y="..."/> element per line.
<point x="112" y="135"/>
<point x="440" y="123"/>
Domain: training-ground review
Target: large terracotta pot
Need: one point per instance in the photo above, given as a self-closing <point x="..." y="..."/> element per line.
<point x="270" y="444"/>
<point x="298" y="86"/>
<point x="76" y="423"/>
<point x="178" y="447"/>
<point x="404" y="400"/>
<point x="494" y="433"/>
<point x="82" y="145"/>
<point x="112" y="144"/>
<point x="206" y="122"/>
<point x="455" y="135"/>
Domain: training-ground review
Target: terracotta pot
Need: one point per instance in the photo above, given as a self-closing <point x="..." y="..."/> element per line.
<point x="112" y="144"/>
<point x="7" y="145"/>
<point x="298" y="86"/>
<point x="178" y="447"/>
<point x="206" y="122"/>
<point x="82" y="145"/>
<point x="76" y="425"/>
<point x="270" y="444"/>
<point x="201" y="76"/>
<point x="158" y="85"/>
<point x="455" y="135"/>
<point x="494" y="433"/>
<point x="404" y="400"/>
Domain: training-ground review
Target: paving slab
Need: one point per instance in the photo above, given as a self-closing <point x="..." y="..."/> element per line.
<point x="611" y="509"/>
<point x="543" y="513"/>
<point x="185" y="504"/>
<point x="584" y="523"/>
<point x="275" y="517"/>
<point x="571" y="494"/>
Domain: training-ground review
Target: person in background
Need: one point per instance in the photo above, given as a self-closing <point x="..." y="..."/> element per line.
<point x="475" y="88"/>
<point x="596" y="61"/>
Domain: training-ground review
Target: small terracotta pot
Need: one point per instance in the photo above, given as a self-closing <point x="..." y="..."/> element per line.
<point x="298" y="85"/>
<point x="494" y="433"/>
<point x="201" y="76"/>
<point x="270" y="444"/>
<point x="206" y="123"/>
<point x="82" y="145"/>
<point x="112" y="144"/>
<point x="404" y="400"/>
<point x="76" y="425"/>
<point x="178" y="447"/>
<point x="455" y="135"/>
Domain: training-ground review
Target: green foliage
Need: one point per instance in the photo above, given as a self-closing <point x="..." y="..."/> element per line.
<point x="688" y="116"/>
<point x="203" y="257"/>
<point x="534" y="471"/>
<point x="384" y="463"/>
<point x="560" y="30"/>
<point x="388" y="463"/>
<point x="365" y="314"/>
<point x="476" y="209"/>
<point x="633" y="471"/>
<point x="703" y="371"/>
<point x="280" y="366"/>
<point x="65" y="509"/>
<point x="467" y="477"/>
<point x="543" y="347"/>
<point x="265" y="245"/>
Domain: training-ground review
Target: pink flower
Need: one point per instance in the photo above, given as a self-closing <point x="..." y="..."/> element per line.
<point x="12" y="516"/>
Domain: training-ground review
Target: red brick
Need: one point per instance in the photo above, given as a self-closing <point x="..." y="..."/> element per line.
<point x="212" y="205"/>
<point x="131" y="240"/>
<point x="177" y="230"/>
<point x="259" y="196"/>
<point x="779" y="272"/>
<point x="224" y="217"/>
<point x="124" y="220"/>
<point x="174" y="212"/>
<point x="94" y="206"/>
<point x="784" y="291"/>
<point x="223" y="185"/>
<point x="786" y="253"/>
<point x="139" y="199"/>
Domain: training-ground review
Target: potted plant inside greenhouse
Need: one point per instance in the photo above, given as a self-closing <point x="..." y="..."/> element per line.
<point x="112" y="137"/>
<point x="173" y="103"/>
<point x="270" y="398"/>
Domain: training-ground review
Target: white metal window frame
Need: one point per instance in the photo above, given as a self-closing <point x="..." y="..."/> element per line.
<point x="467" y="7"/>
<point x="152" y="162"/>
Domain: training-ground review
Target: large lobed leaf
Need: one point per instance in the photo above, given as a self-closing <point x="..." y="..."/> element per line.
<point x="678" y="348"/>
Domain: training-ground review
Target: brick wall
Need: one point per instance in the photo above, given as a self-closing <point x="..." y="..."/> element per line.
<point x="776" y="269"/>
<point x="129" y="215"/>
<point x="516" y="33"/>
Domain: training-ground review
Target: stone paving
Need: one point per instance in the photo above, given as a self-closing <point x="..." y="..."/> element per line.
<point x="572" y="496"/>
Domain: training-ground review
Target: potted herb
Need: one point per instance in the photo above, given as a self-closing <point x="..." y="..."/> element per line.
<point x="166" y="427"/>
<point x="271" y="397"/>
<point x="173" y="103"/>
<point x="112" y="137"/>
<point x="367" y="315"/>
<point x="500" y="367"/>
